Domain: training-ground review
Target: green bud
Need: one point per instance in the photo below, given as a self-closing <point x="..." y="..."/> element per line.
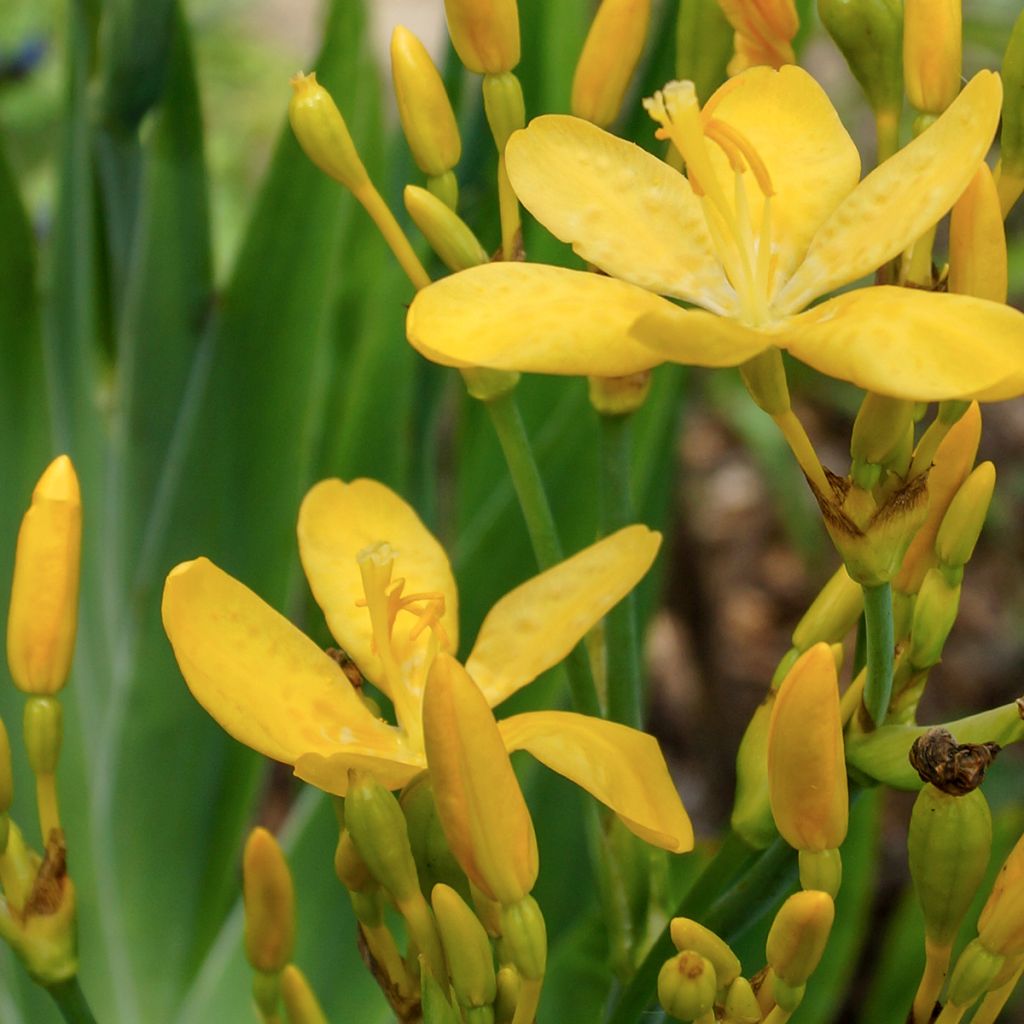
<point x="965" y="517"/>
<point x="445" y="187"/>
<point x="269" y="900"/>
<point x="43" y="733"/>
<point x="350" y="868"/>
<point x="504" y="106"/>
<point x="752" y="818"/>
<point x="435" y="861"/>
<point x="367" y="907"/>
<point x="507" y="999"/>
<point x="448" y="234"/>
<point x="435" y="1005"/>
<point x="299" y="999"/>
<point x="687" y="985"/>
<point x="949" y="842"/>
<point x="687" y="934"/>
<point x="1011" y="138"/>
<point x="467" y="949"/>
<point x="525" y="937"/>
<point x="798" y="935"/>
<point x="975" y="971"/>
<point x="704" y="43"/>
<point x="741" y="1006"/>
<point x="879" y="428"/>
<point x="821" y="869"/>
<point x="934" y="614"/>
<point x="789" y="997"/>
<point x="869" y="33"/>
<point x="832" y="613"/>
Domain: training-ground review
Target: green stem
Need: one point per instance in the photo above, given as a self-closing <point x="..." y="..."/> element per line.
<point x="71" y="1001"/>
<point x="880" y="643"/>
<point x="622" y="644"/>
<point x="738" y="904"/>
<point x="540" y="524"/>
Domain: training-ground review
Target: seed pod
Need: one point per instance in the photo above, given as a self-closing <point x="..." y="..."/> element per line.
<point x="687" y="985"/>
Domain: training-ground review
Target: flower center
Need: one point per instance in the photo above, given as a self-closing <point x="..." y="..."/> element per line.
<point x="405" y="654"/>
<point x="745" y="255"/>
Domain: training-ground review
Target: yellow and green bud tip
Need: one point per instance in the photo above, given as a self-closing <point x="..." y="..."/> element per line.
<point x="932" y="53"/>
<point x="485" y="34"/>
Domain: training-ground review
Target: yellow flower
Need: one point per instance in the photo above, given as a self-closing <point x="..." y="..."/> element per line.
<point x="771" y="217"/>
<point x="387" y="591"/>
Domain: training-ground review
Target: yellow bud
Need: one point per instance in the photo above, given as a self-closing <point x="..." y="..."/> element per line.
<point x="43" y="615"/>
<point x="764" y="32"/>
<point x="509" y="985"/>
<point x="485" y="33"/>
<point x="428" y="120"/>
<point x="687" y="934"/>
<point x="323" y="134"/>
<point x="806" y="766"/>
<point x="1011" y="876"/>
<point x="977" y="241"/>
<point x="751" y="815"/>
<point x="350" y="867"/>
<point x="618" y="396"/>
<point x="976" y="968"/>
<point x="932" y="46"/>
<point x="448" y="234"/>
<point x="299" y="1000"/>
<point x="798" y="935"/>
<point x="269" y="903"/>
<point x="609" y="58"/>
<point x="741" y="1006"/>
<point x="934" y="614"/>
<point x="965" y="517"/>
<point x="478" y="798"/>
<point x="687" y="985"/>
<point x="525" y="937"/>
<point x="832" y="614"/>
<point x="466" y="948"/>
<point x="1001" y="924"/>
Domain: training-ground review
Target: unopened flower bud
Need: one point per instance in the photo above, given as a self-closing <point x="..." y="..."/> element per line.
<point x="1011" y="136"/>
<point x="269" y="904"/>
<point x="934" y="614"/>
<point x="977" y="241"/>
<point x="435" y="862"/>
<point x="806" y="766"/>
<point x="821" y="869"/>
<point x="764" y="32"/>
<point x="467" y="949"/>
<point x="932" y="53"/>
<point x="962" y="523"/>
<point x="704" y="45"/>
<point x="976" y="968"/>
<point x="741" y="1005"/>
<point x="1011" y="875"/>
<point x="832" y="613"/>
<point x="350" y="867"/>
<point x="448" y="234"/>
<point x="509" y="985"/>
<point x="609" y="58"/>
<point x="43" y="615"/>
<point x="299" y="1000"/>
<point x="428" y="120"/>
<point x="485" y="34"/>
<point x="751" y="817"/>
<point x="525" y="937"/>
<point x="948" y="843"/>
<point x="879" y="428"/>
<point x="798" y="936"/>
<point x="44" y="731"/>
<point x="323" y="134"/>
<point x="687" y="986"/>
<point x="1001" y="924"/>
<point x="504" y="106"/>
<point x="688" y="934"/>
<point x="434" y="1002"/>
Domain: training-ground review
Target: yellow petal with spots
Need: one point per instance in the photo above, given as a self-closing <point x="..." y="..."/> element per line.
<point x="329" y="772"/>
<point x="621" y="767"/>
<point x="266" y="683"/>
<point x="536" y="625"/>
<point x="339" y="520"/>
<point x="533" y="318"/>
<point x="620" y="208"/>
<point x="696" y="338"/>
<point x="813" y="163"/>
<point x="905" y="343"/>
<point x="900" y="200"/>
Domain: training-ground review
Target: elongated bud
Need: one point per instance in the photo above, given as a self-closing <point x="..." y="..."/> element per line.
<point x="741" y="1005"/>
<point x="962" y="523"/>
<point x="43" y="615"/>
<point x="448" y="234"/>
<point x="751" y="817"/>
<point x="478" y="798"/>
<point x="504" y="106"/>
<point x="821" y="869"/>
<point x="1011" y="137"/>
<point x="832" y="613"/>
<point x="976" y="968"/>
<point x="525" y="937"/>
<point x="869" y="34"/>
<point x="1002" y="930"/>
<point x="806" y="767"/>
<point x="609" y="58"/>
<point x="879" y="428"/>
<point x="435" y="862"/>
<point x="688" y="934"/>
<point x="269" y="904"/>
<point x="948" y="843"/>
<point x="299" y="1000"/>
<point x="1011" y="876"/>
<point x="350" y="867"/>
<point x="934" y="614"/>
<point x="428" y="120"/>
<point x="509" y="984"/>
<point x="977" y="241"/>
<point x="323" y="134"/>
<point x="436" y="1007"/>
<point x="485" y="34"/>
<point x="798" y="935"/>
<point x="703" y="45"/>
<point x="467" y="949"/>
<point x="764" y="32"/>
<point x="44" y="732"/>
<point x="687" y="986"/>
<point x="932" y="53"/>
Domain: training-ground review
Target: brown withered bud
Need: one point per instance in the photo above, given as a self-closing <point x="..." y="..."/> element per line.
<point x="955" y="768"/>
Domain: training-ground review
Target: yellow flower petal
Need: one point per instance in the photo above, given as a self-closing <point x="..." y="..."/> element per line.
<point x="621" y="208"/>
<point x="622" y="767"/>
<point x="533" y="318"/>
<point x="337" y="521"/>
<point x="537" y="624"/>
<point x="900" y="200"/>
<point x="696" y="338"/>
<point x="910" y="344"/>
<point x="266" y="683"/>
<point x="329" y="772"/>
<point x="811" y="159"/>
